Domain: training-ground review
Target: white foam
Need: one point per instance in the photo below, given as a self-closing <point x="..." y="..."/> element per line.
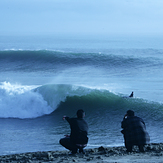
<point x="17" y="101"/>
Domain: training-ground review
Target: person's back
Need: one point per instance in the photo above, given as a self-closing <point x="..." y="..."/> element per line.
<point x="134" y="132"/>
<point x="79" y="130"/>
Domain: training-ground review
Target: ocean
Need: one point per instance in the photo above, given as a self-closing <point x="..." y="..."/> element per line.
<point x="43" y="78"/>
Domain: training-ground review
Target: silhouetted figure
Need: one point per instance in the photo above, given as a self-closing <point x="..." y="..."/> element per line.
<point x="79" y="130"/>
<point x="134" y="131"/>
<point x="132" y="94"/>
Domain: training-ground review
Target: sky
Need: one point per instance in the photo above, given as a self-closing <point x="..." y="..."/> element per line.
<point x="81" y="17"/>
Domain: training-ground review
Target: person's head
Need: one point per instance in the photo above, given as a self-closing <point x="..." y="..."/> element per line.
<point x="80" y="113"/>
<point x="130" y="113"/>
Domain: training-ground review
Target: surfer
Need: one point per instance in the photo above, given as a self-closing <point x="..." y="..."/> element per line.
<point x="79" y="130"/>
<point x="134" y="131"/>
<point x="132" y="94"/>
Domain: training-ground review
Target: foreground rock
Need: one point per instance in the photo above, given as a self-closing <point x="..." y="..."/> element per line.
<point x="153" y="153"/>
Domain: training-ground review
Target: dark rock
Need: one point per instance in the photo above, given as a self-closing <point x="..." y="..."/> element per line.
<point x="101" y="148"/>
<point x="99" y="157"/>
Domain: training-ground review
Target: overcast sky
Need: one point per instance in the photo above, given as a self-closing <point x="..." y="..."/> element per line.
<point x="81" y="17"/>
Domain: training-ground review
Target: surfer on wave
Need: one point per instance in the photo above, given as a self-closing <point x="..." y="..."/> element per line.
<point x="132" y="94"/>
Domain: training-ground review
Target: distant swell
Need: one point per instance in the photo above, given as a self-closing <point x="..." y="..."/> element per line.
<point x="24" y="60"/>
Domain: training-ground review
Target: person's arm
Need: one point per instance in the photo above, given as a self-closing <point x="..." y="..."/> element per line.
<point x="122" y="126"/>
<point x="66" y="118"/>
<point x="123" y="122"/>
<point x="143" y="123"/>
<point x="125" y="116"/>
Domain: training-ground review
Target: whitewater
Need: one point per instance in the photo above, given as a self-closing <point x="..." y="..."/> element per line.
<point x="44" y="78"/>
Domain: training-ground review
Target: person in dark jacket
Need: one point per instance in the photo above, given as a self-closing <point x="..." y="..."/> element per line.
<point x="134" y="131"/>
<point x="79" y="130"/>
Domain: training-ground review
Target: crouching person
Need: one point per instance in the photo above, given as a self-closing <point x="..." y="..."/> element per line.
<point x="78" y="137"/>
<point x="134" y="131"/>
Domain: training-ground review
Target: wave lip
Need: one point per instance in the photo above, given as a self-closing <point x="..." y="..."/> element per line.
<point x="17" y="101"/>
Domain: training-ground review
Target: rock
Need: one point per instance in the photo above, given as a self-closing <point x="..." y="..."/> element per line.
<point x="91" y="150"/>
<point x="74" y="160"/>
<point x="101" y="148"/>
<point x="99" y="157"/>
<point x="50" y="156"/>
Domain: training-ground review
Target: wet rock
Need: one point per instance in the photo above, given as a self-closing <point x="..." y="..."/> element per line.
<point x="101" y="148"/>
<point x="99" y="157"/>
<point x="74" y="160"/>
<point x="91" y="150"/>
<point x="90" y="158"/>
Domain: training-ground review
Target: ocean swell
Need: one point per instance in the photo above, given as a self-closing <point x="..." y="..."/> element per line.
<point x="26" y="60"/>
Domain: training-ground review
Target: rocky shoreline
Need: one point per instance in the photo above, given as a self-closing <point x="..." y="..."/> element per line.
<point x="153" y="153"/>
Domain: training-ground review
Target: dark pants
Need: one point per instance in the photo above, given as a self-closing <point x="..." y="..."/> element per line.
<point x="130" y="146"/>
<point x="65" y="142"/>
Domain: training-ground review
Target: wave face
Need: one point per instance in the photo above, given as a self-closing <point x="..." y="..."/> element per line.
<point x="30" y="102"/>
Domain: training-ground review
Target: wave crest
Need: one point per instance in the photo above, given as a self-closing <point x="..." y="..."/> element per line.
<point x="18" y="101"/>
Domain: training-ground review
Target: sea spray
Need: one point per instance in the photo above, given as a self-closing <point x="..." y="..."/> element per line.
<point x="56" y="93"/>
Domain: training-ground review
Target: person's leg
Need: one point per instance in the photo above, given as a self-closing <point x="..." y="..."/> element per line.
<point x="81" y="147"/>
<point x="129" y="147"/>
<point x="65" y="142"/>
<point x="141" y="148"/>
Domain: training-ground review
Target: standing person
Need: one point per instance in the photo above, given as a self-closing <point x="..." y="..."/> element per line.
<point x="134" y="131"/>
<point x="79" y="130"/>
